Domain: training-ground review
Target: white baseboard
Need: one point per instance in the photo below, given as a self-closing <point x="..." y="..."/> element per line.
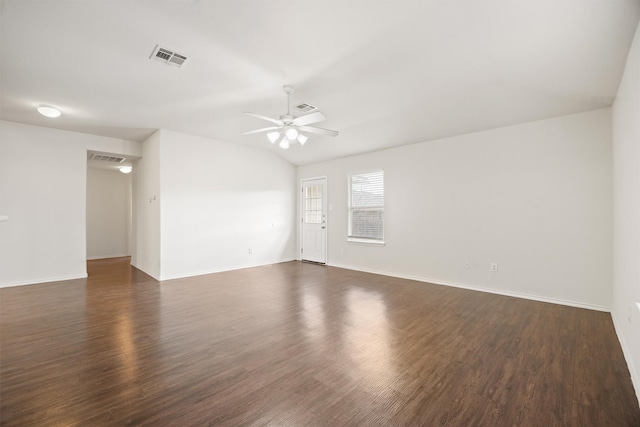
<point x="219" y="270"/>
<point x="43" y="280"/>
<point x="144" y="271"/>
<point x="107" y="257"/>
<point x="635" y="380"/>
<point x="481" y="289"/>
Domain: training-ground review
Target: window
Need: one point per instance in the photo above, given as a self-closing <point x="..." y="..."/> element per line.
<point x="366" y="207"/>
<point x="313" y="204"/>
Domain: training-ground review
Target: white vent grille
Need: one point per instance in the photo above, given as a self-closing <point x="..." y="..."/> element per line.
<point x="107" y="158"/>
<point x="169" y="57"/>
<point x="306" y="108"/>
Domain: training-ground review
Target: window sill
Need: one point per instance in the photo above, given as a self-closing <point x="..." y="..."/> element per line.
<point x="365" y="241"/>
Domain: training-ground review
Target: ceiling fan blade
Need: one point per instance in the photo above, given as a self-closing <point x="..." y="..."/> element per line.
<point x="309" y="118"/>
<point x="261" y="130"/>
<point x="260" y="116"/>
<point x="320" y="131"/>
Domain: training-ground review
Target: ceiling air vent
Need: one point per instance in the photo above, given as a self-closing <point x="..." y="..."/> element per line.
<point x="168" y="57"/>
<point x="107" y="158"/>
<point x="306" y="108"/>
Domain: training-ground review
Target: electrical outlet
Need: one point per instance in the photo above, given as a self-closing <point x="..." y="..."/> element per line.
<point x="494" y="266"/>
<point x="250" y="251"/>
<point x="467" y="265"/>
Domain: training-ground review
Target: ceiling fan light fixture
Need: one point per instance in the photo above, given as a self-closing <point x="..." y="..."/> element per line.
<point x="273" y="136"/>
<point x="291" y="133"/>
<point x="287" y="127"/>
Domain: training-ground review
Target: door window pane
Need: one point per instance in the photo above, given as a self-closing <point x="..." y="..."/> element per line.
<point x="313" y="204"/>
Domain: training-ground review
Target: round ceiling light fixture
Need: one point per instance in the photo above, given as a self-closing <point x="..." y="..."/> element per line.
<point x="48" y="111"/>
<point x="126" y="169"/>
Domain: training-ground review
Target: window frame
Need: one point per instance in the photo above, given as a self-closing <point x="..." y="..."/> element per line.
<point x="350" y="210"/>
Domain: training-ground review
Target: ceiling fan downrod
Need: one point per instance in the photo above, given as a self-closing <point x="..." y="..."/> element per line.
<point x="288" y="89"/>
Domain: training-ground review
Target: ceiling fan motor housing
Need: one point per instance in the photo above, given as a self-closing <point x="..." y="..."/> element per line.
<point x="287" y="119"/>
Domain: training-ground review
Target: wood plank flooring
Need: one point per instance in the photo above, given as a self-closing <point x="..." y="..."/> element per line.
<point x="296" y="344"/>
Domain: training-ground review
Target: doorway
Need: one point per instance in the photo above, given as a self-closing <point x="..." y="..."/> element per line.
<point x="108" y="206"/>
<point x="313" y="242"/>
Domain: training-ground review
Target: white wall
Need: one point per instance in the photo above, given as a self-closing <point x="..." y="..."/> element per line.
<point x="535" y="198"/>
<point x="145" y="253"/>
<point x="216" y="200"/>
<point x="626" y="208"/>
<point x="43" y="175"/>
<point x="108" y="213"/>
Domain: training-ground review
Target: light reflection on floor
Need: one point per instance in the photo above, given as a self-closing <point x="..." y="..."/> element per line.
<point x="368" y="337"/>
<point x="359" y="318"/>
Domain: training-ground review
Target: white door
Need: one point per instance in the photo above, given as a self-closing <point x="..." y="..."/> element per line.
<point x="314" y="220"/>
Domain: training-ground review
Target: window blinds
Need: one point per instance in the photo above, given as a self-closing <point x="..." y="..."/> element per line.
<point x="366" y="206"/>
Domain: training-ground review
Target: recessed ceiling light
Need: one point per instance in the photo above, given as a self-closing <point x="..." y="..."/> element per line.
<point x="126" y="169"/>
<point x="49" y="111"/>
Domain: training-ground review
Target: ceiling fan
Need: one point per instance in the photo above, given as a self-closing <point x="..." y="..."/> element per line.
<point x="290" y="127"/>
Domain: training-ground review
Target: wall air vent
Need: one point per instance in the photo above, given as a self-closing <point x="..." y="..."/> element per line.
<point x="306" y="108"/>
<point x="106" y="158"/>
<point x="167" y="56"/>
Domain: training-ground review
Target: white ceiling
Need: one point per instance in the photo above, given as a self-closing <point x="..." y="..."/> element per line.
<point x="384" y="72"/>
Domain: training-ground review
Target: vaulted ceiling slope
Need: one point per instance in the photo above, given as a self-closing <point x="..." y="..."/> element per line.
<point x="384" y="72"/>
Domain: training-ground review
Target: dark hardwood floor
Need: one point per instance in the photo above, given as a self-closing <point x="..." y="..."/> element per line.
<point x="299" y="344"/>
